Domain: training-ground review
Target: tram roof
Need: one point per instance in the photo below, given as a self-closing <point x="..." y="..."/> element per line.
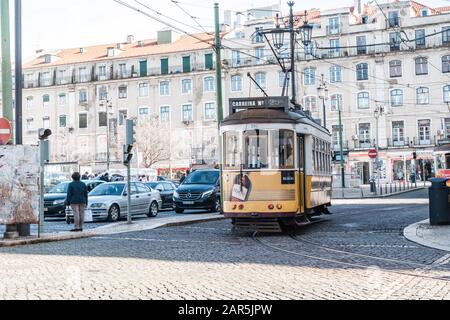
<point x="269" y="116"/>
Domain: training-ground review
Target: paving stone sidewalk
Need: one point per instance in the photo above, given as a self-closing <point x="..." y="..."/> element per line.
<point x="437" y="237"/>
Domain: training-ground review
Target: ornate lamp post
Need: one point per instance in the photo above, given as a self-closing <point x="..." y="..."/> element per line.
<point x="323" y="94"/>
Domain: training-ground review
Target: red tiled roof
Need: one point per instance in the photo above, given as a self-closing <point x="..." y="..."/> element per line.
<point x="99" y="53"/>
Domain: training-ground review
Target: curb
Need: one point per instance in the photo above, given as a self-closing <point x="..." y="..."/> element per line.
<point x="381" y="197"/>
<point x="97" y="232"/>
<point x="412" y="233"/>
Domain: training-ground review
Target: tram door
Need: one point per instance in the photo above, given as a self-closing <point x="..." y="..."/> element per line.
<point x="302" y="173"/>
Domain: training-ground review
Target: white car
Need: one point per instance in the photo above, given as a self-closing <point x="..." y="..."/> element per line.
<point x="109" y="202"/>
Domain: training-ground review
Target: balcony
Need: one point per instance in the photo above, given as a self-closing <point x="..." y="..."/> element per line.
<point x="336" y="146"/>
<point x="333" y="30"/>
<point x="365" y="145"/>
<point x="393" y="22"/>
<point x="398" y="144"/>
<point x="430" y="141"/>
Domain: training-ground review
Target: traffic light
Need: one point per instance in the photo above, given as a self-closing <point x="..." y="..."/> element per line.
<point x="44" y="134"/>
<point x="415" y="155"/>
<point x="127" y="152"/>
<point x="131" y="133"/>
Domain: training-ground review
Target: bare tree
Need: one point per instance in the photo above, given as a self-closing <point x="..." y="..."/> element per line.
<point x="153" y="141"/>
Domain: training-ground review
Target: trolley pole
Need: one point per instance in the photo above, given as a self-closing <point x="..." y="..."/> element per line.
<point x="219" y="94"/>
<point x="292" y="40"/>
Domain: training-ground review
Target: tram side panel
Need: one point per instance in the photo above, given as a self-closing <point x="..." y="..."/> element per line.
<point x="261" y="194"/>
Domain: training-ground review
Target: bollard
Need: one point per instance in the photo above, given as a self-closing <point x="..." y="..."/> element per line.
<point x="395" y="186"/>
<point x="381" y="190"/>
<point x="385" y="190"/>
<point x="390" y="185"/>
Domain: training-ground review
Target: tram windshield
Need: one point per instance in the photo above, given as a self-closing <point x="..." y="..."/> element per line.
<point x="260" y="149"/>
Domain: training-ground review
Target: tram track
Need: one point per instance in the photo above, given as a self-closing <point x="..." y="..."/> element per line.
<point x="335" y="261"/>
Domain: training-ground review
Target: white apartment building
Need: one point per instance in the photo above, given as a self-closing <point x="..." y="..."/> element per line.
<point x="395" y="57"/>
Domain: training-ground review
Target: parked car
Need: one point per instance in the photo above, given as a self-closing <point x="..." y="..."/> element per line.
<point x="166" y="190"/>
<point x="109" y="201"/>
<point x="200" y="190"/>
<point x="55" y="199"/>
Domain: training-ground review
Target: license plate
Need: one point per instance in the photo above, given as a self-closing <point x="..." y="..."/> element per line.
<point x="188" y="203"/>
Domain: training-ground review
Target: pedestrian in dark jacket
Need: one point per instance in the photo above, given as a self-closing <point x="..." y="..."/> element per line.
<point x="77" y="199"/>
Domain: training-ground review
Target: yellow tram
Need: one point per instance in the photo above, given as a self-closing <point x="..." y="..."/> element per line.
<point x="276" y="165"/>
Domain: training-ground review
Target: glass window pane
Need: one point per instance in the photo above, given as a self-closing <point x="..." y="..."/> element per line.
<point x="256" y="147"/>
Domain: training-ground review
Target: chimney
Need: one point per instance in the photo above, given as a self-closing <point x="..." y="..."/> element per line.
<point x="82" y="50"/>
<point x="358" y="8"/>
<point x="130" y="39"/>
<point x="140" y="43"/>
<point x="119" y="46"/>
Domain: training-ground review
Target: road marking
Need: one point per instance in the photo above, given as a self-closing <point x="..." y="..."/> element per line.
<point x="161" y="240"/>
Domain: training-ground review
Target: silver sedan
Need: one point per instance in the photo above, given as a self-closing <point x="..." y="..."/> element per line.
<point x="109" y="201"/>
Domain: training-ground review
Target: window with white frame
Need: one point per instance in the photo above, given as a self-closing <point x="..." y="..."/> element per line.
<point x="396" y="98"/>
<point x="164" y="114"/>
<point x="363" y="100"/>
<point x="423" y="95"/>
<point x="335" y="48"/>
<point x="310" y="103"/>
<point x="236" y="83"/>
<point x="186" y="86"/>
<point x="82" y="120"/>
<point x="335" y="74"/>
<point x="364" y="134"/>
<point x="335" y="136"/>
<point x="187" y="113"/>
<point x="123" y="92"/>
<point x="62" y="99"/>
<point x="210" y="111"/>
<point x="46" y="79"/>
<point x="46" y="122"/>
<point x="259" y="53"/>
<point x="236" y="58"/>
<point x="82" y="96"/>
<point x="102" y="93"/>
<point x="446" y="93"/>
<point x="164" y="88"/>
<point x="143" y="89"/>
<point x="421" y="66"/>
<point x="82" y="74"/>
<point x="102" y="119"/>
<point x="333" y="25"/>
<point x="123" y="70"/>
<point x="62" y="121"/>
<point x="260" y="78"/>
<point x="447" y="128"/>
<point x="398" y="132"/>
<point x="208" y="84"/>
<point x="123" y="116"/>
<point x="143" y="113"/>
<point x="102" y="73"/>
<point x="309" y="77"/>
<point x="445" y="35"/>
<point x="362" y="71"/>
<point x="424" y="131"/>
<point x="30" y="101"/>
<point x="446" y="64"/>
<point x="45" y="100"/>
<point x="30" y="124"/>
<point x="62" y="77"/>
<point x="336" y="102"/>
<point x="395" y="68"/>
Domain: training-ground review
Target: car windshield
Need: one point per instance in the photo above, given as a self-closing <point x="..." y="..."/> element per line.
<point x="60" y="188"/>
<point x="108" y="190"/>
<point x="202" y="177"/>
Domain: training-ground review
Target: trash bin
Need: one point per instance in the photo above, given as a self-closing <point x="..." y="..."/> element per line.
<point x="373" y="185"/>
<point x="439" y="202"/>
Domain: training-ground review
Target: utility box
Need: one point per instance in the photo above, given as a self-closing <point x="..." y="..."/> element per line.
<point x="439" y="202"/>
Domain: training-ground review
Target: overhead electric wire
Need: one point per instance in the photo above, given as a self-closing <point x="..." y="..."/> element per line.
<point x="190" y="16"/>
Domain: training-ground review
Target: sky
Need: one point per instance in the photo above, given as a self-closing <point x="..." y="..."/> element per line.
<point x="54" y="24"/>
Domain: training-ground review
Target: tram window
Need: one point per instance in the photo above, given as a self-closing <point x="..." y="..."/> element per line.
<point x="283" y="151"/>
<point x="256" y="149"/>
<point x="447" y="161"/>
<point x="232" y="149"/>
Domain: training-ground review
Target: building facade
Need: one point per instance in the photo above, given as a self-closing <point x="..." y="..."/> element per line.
<point x="393" y="59"/>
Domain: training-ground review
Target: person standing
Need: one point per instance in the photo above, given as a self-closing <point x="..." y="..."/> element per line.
<point x="77" y="199"/>
<point x="85" y="176"/>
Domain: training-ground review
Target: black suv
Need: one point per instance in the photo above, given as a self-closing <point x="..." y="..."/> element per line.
<point x="200" y="190"/>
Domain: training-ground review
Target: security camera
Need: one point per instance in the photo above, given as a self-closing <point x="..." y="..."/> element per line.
<point x="44" y="134"/>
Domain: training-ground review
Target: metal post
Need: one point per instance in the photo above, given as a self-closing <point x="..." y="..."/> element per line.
<point x="219" y="93"/>
<point x="107" y="139"/>
<point x="377" y="115"/>
<point x="424" y="174"/>
<point x="129" y="192"/>
<point x="41" y="190"/>
<point x="18" y="68"/>
<point x="6" y="61"/>
<point x="341" y="142"/>
<point x="292" y="33"/>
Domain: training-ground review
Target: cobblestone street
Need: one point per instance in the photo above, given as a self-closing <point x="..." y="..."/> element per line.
<point x="357" y="253"/>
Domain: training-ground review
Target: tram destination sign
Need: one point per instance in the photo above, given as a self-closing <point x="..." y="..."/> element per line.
<point x="241" y="104"/>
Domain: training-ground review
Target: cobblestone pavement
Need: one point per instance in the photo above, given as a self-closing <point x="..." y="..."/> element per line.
<point x="209" y="261"/>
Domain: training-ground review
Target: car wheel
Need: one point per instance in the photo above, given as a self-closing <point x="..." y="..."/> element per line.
<point x="217" y="206"/>
<point x="179" y="211"/>
<point x="153" y="211"/>
<point x="114" y="213"/>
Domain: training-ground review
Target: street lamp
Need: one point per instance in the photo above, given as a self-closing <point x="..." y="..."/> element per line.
<point x="379" y="111"/>
<point x="323" y="94"/>
<point x="306" y="31"/>
<point x="108" y="157"/>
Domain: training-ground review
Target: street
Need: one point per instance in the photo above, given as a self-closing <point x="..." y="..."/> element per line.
<point x="357" y="253"/>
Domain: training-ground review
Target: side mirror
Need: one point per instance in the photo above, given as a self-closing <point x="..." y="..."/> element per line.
<point x="125" y="194"/>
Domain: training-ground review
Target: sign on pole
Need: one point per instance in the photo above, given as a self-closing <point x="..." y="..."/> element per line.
<point x="5" y="131"/>
<point x="373" y="154"/>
